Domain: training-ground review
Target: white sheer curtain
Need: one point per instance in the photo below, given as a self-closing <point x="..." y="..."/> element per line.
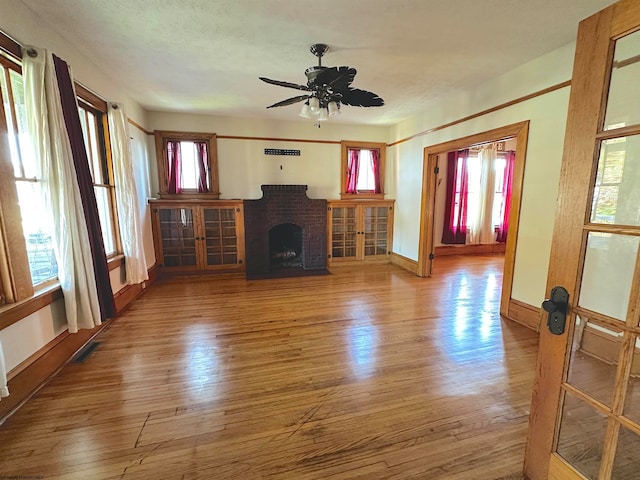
<point x="479" y="223"/>
<point x="4" y="391"/>
<point x="60" y="191"/>
<point x="126" y="196"/>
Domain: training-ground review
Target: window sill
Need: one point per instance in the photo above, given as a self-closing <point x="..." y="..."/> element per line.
<point x="14" y="312"/>
<point x="362" y="196"/>
<point x="115" y="261"/>
<point x="190" y="196"/>
<point x="43" y="296"/>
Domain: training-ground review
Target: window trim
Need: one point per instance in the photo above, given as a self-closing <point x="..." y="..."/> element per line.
<point x="15" y="276"/>
<point x="161" y="138"/>
<point x="98" y="107"/>
<point x="345" y="146"/>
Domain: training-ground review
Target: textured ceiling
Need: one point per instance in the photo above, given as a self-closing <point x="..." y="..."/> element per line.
<point x="205" y="56"/>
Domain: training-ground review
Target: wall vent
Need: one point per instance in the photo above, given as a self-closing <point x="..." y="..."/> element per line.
<point x="85" y="353"/>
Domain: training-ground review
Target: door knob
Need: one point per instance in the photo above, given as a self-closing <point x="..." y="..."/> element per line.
<point x="556" y="306"/>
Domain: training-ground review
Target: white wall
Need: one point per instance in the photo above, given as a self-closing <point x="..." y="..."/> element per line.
<point x="547" y="115"/>
<point x="27" y="336"/>
<point x="243" y="166"/>
<point x="24" y="338"/>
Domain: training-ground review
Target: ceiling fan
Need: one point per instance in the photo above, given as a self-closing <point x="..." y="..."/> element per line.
<point x="328" y="87"/>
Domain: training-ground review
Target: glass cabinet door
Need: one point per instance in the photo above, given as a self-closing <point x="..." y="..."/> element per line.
<point x="376" y="230"/>
<point x="220" y="238"/>
<point x="343" y="232"/>
<point x="177" y="235"/>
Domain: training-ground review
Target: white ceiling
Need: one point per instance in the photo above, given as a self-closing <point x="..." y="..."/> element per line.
<point x="205" y="56"/>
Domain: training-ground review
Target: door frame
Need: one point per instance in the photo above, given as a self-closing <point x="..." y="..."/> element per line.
<point x="519" y="131"/>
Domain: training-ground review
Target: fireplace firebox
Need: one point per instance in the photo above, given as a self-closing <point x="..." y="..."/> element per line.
<point x="285" y="246"/>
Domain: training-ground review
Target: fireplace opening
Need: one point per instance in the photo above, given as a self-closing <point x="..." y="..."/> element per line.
<point x="285" y="246"/>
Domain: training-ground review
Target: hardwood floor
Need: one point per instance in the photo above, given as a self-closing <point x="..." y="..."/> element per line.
<point x="368" y="373"/>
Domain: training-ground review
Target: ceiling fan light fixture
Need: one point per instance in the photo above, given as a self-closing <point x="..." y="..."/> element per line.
<point x="305" y="112"/>
<point x="314" y="105"/>
<point x="334" y="109"/>
<point x="326" y="90"/>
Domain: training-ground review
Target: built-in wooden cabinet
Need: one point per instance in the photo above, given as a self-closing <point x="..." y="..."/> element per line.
<point x="360" y="230"/>
<point x="198" y="235"/>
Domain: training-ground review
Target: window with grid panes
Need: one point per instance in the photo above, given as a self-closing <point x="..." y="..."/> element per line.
<point x="187" y="164"/>
<point x="35" y="217"/>
<point x="367" y="175"/>
<point x="94" y="129"/>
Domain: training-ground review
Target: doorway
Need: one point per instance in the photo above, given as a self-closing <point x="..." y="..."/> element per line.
<point x="518" y="132"/>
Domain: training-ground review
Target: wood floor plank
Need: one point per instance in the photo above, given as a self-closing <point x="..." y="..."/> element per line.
<point x="370" y="372"/>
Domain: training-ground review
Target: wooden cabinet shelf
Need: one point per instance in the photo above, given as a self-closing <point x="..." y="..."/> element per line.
<point x="360" y="230"/>
<point x="199" y="235"/>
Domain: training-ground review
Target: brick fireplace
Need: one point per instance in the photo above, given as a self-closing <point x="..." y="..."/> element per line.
<point x="285" y="233"/>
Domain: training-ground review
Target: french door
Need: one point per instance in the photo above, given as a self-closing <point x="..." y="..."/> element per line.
<point x="585" y="412"/>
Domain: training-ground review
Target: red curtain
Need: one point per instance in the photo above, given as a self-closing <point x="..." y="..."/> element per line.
<point x="173" y="157"/>
<point x="353" y="161"/>
<point x="507" y="188"/>
<point x="375" y="166"/>
<point x="85" y="183"/>
<point x="455" y="213"/>
<point x="201" y="149"/>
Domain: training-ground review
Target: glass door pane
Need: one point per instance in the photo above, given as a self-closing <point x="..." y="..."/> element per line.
<point x="608" y="273"/>
<point x="582" y="435"/>
<point x="616" y="196"/>
<point x="594" y="359"/>
<point x="626" y="465"/>
<point x="178" y="237"/>
<point x="623" y="106"/>
<point x="632" y="402"/>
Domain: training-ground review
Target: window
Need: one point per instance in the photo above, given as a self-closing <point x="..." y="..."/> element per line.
<point x="362" y="172"/>
<point x="476" y="196"/>
<point x="187" y="164"/>
<point x="478" y="189"/>
<point x="93" y="120"/>
<point x="500" y="190"/>
<point x="34" y="219"/>
<point x="463" y="189"/>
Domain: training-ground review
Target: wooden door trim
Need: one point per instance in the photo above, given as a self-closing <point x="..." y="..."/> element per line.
<point x="430" y="161"/>
<point x="518" y="130"/>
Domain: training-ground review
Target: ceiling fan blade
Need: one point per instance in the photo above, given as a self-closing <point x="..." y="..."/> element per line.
<point x="289" y="101"/>
<point x="285" y="84"/>
<point x="360" y="98"/>
<point x="338" y="78"/>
